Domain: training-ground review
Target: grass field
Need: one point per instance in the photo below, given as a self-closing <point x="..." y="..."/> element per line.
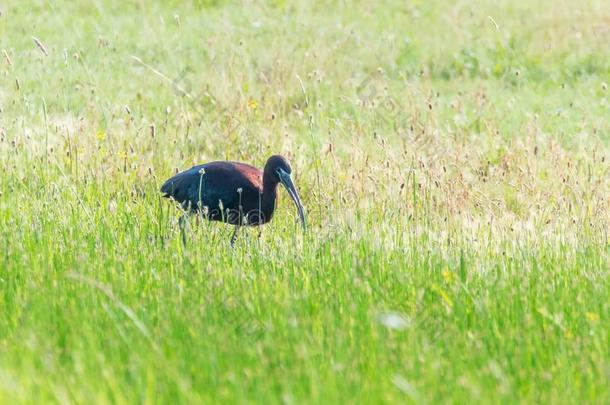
<point x="453" y="159"/>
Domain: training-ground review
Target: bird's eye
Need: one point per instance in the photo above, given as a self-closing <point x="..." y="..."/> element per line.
<point x="278" y="171"/>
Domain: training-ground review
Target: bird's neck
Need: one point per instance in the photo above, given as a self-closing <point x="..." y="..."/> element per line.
<point x="269" y="197"/>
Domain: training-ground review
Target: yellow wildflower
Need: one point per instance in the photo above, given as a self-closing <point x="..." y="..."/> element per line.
<point x="448" y="276"/>
<point x="592" y="316"/>
<point x="100" y="135"/>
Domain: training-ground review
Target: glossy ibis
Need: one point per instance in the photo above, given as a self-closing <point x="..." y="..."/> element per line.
<point x="231" y="192"/>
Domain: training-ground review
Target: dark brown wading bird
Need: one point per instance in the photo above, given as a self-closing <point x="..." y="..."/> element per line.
<point x="231" y="192"/>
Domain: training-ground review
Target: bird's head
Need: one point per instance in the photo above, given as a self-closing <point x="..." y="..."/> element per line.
<point x="278" y="168"/>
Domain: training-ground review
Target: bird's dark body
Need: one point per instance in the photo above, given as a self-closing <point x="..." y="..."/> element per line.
<point x="225" y="191"/>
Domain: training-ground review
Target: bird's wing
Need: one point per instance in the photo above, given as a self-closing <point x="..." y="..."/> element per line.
<point x="218" y="183"/>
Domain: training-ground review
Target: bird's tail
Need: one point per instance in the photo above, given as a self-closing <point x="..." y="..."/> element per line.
<point x="168" y="188"/>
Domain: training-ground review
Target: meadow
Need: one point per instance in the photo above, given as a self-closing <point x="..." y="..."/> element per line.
<point x="453" y="158"/>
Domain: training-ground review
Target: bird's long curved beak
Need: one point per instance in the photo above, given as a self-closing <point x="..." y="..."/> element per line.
<point x="294" y="194"/>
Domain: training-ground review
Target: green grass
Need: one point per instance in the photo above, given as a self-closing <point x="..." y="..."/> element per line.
<point x="453" y="159"/>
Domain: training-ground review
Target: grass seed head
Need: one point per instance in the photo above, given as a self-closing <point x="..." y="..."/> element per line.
<point x="40" y="46"/>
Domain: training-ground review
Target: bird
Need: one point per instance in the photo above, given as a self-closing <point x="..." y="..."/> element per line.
<point x="232" y="192"/>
